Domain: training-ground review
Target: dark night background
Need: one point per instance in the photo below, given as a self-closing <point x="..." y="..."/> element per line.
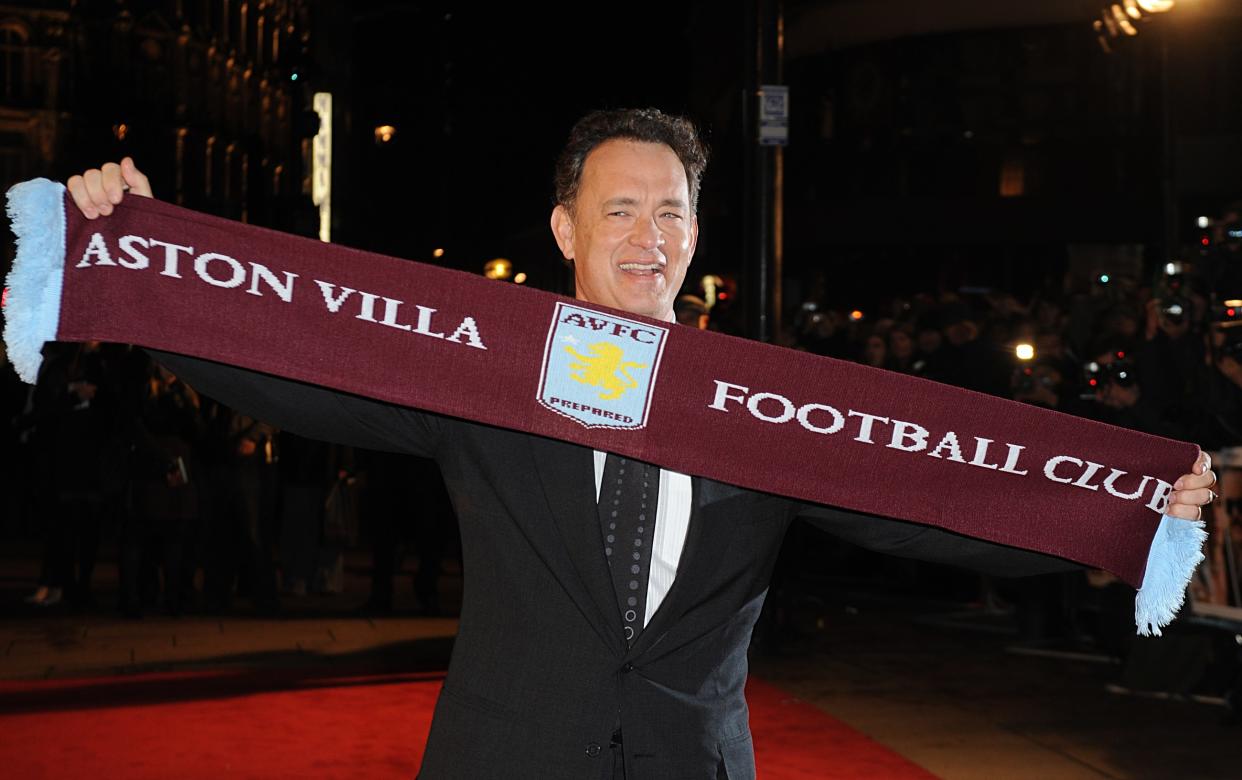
<point x="1001" y="195"/>
<point x="906" y="119"/>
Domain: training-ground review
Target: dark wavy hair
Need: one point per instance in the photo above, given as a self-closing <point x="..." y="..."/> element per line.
<point x="649" y="125"/>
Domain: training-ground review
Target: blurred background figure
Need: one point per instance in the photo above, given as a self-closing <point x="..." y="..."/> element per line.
<point x="692" y="310"/>
<point x="161" y="527"/>
<point x="405" y="508"/>
<point x="314" y="530"/>
<point x="79" y="460"/>
<point x="901" y="355"/>
<point x="240" y="546"/>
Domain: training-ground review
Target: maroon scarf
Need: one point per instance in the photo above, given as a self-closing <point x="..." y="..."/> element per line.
<point x="737" y="411"/>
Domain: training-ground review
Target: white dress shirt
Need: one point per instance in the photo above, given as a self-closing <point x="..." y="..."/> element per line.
<point x="672" y="520"/>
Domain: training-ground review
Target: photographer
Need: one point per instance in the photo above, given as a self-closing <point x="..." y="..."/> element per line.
<point x="1040" y="384"/>
<point x="1221" y="386"/>
<point x="1220" y="395"/>
<point x="1172" y="338"/>
<point x="1127" y="395"/>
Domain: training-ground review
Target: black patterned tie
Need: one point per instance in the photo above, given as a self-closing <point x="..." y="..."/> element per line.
<point x="627" y="512"/>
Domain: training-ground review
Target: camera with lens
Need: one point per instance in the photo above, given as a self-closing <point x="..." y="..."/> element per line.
<point x="1227" y="313"/>
<point x="1030" y="377"/>
<point x="1174" y="309"/>
<point x="1231" y="231"/>
<point x="1120" y="371"/>
<point x="1174" y="304"/>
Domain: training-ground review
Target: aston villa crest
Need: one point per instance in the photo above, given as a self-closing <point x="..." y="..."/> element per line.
<point x="600" y="369"/>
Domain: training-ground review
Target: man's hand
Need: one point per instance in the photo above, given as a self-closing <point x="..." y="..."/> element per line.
<point x="96" y="191"/>
<point x="1192" y="491"/>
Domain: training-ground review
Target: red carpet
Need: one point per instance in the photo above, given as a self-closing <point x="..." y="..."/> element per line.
<point x="288" y="724"/>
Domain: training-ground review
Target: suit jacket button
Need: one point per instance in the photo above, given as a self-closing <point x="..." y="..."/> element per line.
<point x="592" y="750"/>
<point x="629" y="667"/>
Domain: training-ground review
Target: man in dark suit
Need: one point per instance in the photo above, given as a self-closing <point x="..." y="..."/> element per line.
<point x="608" y="604"/>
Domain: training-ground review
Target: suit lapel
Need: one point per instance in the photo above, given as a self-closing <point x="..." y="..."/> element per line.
<point x="568" y="475"/>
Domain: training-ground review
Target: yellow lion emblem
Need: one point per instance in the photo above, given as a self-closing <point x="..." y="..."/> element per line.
<point x="604" y="369"/>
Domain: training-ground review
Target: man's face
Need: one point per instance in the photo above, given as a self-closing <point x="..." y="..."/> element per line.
<point x="631" y="234"/>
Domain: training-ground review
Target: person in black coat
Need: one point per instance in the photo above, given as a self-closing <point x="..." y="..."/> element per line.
<point x="551" y="677"/>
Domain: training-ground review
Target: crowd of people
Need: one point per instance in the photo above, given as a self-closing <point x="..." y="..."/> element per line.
<point x="1106" y="353"/>
<point x="1162" y="355"/>
<point x="201" y="503"/>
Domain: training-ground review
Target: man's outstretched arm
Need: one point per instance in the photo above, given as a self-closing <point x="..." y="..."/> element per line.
<point x="935" y="545"/>
<point x="301" y="408"/>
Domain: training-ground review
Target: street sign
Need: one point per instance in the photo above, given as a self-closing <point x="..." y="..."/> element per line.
<point x="773" y="115"/>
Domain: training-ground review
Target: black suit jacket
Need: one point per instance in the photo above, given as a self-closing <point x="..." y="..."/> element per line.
<point x="540" y="674"/>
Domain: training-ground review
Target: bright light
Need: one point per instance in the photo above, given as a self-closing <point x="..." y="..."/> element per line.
<point x="520" y="278"/>
<point x="856" y="315"/>
<point x="1234" y="302"/>
<point x="1123" y="21"/>
<point x="438" y="252"/>
<point x="1204" y="223"/>
<point x="1132" y="10"/>
<point x="321" y="163"/>
<point x="500" y="268"/>
<point x="711" y="285"/>
<point x="120" y="131"/>
<point x="1156" y="6"/>
<point x="1170" y="269"/>
<point x="1024" y="351"/>
<point x="384" y="133"/>
<point x="1105" y="278"/>
<point x="1107" y="17"/>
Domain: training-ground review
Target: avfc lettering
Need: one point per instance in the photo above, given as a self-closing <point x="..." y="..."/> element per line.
<point x="618" y="328"/>
<point x="599" y="369"/>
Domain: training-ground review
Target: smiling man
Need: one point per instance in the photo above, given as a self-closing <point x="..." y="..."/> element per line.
<point x="627" y="220"/>
<point x="608" y="603"/>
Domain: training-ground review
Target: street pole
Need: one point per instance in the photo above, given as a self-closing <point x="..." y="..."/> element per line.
<point x="764" y="167"/>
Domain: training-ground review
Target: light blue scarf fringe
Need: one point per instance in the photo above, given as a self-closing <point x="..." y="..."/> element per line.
<point x="32" y="313"/>
<point x="1176" y="550"/>
<point x="32" y="307"/>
